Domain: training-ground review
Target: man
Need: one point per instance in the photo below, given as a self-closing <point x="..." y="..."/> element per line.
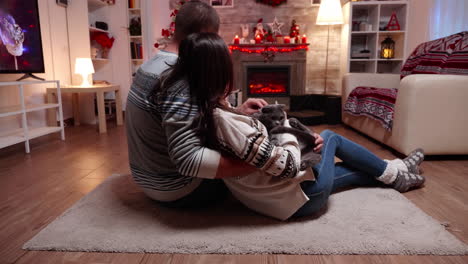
<point x="166" y="157"/>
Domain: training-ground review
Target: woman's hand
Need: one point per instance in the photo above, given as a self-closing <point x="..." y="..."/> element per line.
<point x="318" y="143"/>
<point x="252" y="106"/>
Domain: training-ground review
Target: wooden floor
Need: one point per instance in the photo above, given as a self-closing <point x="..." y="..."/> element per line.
<point x="36" y="188"/>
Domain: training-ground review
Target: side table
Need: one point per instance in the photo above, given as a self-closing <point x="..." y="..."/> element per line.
<point x="99" y="90"/>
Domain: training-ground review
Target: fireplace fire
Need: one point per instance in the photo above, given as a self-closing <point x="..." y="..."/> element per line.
<point x="268" y="81"/>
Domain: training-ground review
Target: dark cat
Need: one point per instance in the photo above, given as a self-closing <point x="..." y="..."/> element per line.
<point x="273" y="116"/>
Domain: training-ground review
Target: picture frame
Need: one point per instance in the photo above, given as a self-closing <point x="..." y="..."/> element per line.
<point x="222" y="3"/>
<point x="63" y="3"/>
<point x="315" y="2"/>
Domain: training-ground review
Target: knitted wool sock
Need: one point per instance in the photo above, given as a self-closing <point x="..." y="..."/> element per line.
<point x="399" y="164"/>
<point x="390" y="173"/>
<point x="413" y="160"/>
<point x="407" y="180"/>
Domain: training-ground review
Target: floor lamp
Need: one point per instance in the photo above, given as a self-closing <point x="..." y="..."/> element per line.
<point x="329" y="14"/>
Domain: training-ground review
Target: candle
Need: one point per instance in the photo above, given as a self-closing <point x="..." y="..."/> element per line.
<point x="236" y="40"/>
<point x="287" y="40"/>
<point x="258" y="39"/>
<point x="279" y="39"/>
<point x="304" y="39"/>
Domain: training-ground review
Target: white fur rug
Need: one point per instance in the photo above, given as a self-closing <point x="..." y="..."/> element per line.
<point x="117" y="217"/>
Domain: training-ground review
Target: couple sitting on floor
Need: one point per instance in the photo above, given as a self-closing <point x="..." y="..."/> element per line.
<point x="186" y="144"/>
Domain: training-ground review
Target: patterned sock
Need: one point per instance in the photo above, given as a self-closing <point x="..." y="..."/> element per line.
<point x="407" y="180"/>
<point x="390" y="173"/>
<point x="398" y="163"/>
<point x="413" y="160"/>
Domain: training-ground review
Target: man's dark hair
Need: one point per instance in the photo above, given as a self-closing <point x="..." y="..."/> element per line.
<point x="194" y="17"/>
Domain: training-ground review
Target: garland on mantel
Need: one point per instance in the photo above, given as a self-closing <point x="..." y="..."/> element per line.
<point x="272" y="2"/>
<point x="260" y="48"/>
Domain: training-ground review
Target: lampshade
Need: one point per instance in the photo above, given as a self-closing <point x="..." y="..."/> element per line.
<point x="330" y="13"/>
<point x="84" y="66"/>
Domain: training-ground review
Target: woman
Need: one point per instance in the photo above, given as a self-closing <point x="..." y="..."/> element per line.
<point x="278" y="188"/>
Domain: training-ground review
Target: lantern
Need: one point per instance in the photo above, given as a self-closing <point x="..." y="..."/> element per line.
<point x="387" y="48"/>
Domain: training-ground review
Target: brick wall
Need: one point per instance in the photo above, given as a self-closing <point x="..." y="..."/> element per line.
<point x="248" y="12"/>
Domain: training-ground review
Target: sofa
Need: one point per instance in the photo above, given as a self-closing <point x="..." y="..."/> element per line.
<point x="429" y="107"/>
<point x="431" y="111"/>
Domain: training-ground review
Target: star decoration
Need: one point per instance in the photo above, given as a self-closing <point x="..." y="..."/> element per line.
<point x="276" y="27"/>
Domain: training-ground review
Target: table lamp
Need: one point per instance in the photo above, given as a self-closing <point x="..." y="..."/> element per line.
<point x="329" y="14"/>
<point x="84" y="66"/>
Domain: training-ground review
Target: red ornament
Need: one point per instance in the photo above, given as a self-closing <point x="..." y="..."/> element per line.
<point x="393" y="23"/>
<point x="270" y="38"/>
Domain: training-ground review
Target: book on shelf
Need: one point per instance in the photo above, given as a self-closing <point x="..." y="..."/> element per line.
<point x="133" y="3"/>
<point x="136" y="50"/>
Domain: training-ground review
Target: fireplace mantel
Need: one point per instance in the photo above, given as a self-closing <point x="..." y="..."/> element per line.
<point x="270" y="55"/>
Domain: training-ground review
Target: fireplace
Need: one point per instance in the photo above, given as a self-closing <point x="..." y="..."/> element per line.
<point x="273" y="78"/>
<point x="268" y="81"/>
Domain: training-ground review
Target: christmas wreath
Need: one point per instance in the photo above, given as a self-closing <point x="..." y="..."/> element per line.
<point x="272" y="2"/>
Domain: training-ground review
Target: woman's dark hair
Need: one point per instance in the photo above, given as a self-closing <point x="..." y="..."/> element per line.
<point x="193" y="17"/>
<point x="205" y="62"/>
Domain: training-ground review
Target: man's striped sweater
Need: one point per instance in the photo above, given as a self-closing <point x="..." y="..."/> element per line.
<point x="166" y="159"/>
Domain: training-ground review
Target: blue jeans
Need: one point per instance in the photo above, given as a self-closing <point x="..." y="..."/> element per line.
<point x="359" y="167"/>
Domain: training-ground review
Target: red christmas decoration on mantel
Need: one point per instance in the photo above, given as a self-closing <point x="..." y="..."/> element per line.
<point x="393" y="24"/>
<point x="272" y="2"/>
<point x="266" y="48"/>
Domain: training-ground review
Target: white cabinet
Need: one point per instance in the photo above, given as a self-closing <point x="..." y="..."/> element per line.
<point x="26" y="133"/>
<point x="364" y="32"/>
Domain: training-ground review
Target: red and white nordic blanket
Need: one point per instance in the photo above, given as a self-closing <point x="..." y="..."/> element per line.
<point x="376" y="103"/>
<point x="447" y="55"/>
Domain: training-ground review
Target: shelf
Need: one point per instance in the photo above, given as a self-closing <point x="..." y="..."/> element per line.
<point x="135" y="36"/>
<point x="364" y="21"/>
<point x="17" y="135"/>
<point x="362" y="66"/>
<point x="379" y="2"/>
<point x="16" y="109"/>
<point x="363" y="32"/>
<point x="389" y="66"/>
<point x="134" y="9"/>
<point x="137" y="60"/>
<point x="390" y="59"/>
<point x="10" y="110"/>
<point x="381" y="32"/>
<point x="100" y="60"/>
<point x="93" y="29"/>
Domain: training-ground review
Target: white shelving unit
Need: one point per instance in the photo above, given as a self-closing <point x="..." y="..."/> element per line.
<point x="26" y="133"/>
<point x="374" y="15"/>
<point x="137" y="47"/>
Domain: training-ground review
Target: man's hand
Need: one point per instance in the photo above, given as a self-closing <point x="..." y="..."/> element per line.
<point x="318" y="143"/>
<point x="251" y="106"/>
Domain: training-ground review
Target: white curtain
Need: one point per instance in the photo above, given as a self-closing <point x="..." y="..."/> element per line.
<point x="448" y="17"/>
